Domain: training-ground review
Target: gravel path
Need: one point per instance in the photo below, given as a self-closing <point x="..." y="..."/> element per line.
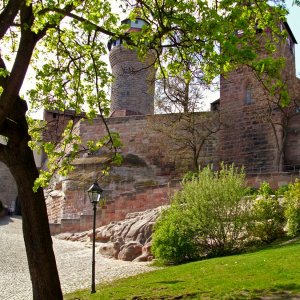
<point x="73" y="261"/>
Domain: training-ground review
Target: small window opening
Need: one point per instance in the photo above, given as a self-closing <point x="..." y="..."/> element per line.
<point x="281" y="27"/>
<point x="291" y="44"/>
<point x="248" y="95"/>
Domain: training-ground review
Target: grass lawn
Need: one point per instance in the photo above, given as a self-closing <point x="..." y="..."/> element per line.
<point x="272" y="273"/>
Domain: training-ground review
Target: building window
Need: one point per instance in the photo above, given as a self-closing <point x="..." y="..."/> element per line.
<point x="248" y="95"/>
<point x="291" y="44"/>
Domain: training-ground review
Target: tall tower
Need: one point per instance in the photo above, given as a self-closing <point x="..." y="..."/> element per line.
<point x="132" y="91"/>
<point x="251" y="135"/>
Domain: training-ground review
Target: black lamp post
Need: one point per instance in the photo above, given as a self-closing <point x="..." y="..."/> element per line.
<point x="94" y="193"/>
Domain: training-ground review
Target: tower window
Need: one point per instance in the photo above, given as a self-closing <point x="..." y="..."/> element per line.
<point x="290" y="44"/>
<point x="248" y="95"/>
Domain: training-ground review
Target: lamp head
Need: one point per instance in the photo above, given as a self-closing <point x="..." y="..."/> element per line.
<point x="94" y="192"/>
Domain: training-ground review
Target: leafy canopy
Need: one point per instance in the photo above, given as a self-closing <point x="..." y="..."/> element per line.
<point x="65" y="41"/>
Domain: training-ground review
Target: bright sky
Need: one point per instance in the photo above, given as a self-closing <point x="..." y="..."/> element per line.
<point x="294" y="22"/>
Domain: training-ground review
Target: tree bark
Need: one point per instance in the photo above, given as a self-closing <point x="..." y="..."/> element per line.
<point x="37" y="238"/>
<point x="38" y="243"/>
<point x="19" y="158"/>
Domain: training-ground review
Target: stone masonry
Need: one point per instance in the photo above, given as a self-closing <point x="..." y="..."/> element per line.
<point x="132" y="90"/>
<point x="133" y="86"/>
<point x="8" y="188"/>
<point x="252" y="119"/>
<point x="153" y="162"/>
<point x="147" y="177"/>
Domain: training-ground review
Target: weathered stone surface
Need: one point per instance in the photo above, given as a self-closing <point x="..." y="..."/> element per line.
<point x="75" y="237"/>
<point x="110" y="249"/>
<point x="8" y="188"/>
<point x="80" y="236"/>
<point x="130" y="251"/>
<point x="146" y="253"/>
<point x="104" y="235"/>
<point x="129" y="239"/>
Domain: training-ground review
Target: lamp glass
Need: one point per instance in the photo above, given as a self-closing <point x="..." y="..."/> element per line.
<point x="94" y="193"/>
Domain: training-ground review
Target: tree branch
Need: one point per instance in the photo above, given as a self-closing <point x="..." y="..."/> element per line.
<point x="13" y="85"/>
<point x="8" y="15"/>
<point x="67" y="13"/>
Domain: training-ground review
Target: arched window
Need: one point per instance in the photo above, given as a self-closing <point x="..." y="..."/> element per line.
<point x="248" y="95"/>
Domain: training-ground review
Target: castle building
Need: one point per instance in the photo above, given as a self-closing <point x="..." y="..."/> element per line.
<point x="132" y="90"/>
<point x="258" y="133"/>
<point x="251" y="136"/>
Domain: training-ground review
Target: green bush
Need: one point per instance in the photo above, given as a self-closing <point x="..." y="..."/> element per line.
<point x="265" y="189"/>
<point x="174" y="238"/>
<point x="281" y="190"/>
<point x="207" y="217"/>
<point x="292" y="208"/>
<point x="267" y="216"/>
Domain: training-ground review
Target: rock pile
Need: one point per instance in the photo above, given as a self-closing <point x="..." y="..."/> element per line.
<point x="128" y="240"/>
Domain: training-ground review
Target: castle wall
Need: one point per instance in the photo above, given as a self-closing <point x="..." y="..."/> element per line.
<point x="275" y="180"/>
<point x="246" y="138"/>
<point x="292" y="153"/>
<point x="147" y="177"/>
<point x="8" y="188"/>
<point x="251" y="135"/>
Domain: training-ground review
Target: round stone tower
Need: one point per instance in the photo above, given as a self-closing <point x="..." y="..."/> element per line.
<point x="132" y="91"/>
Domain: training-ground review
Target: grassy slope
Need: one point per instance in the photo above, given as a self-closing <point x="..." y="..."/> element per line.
<point x="270" y="272"/>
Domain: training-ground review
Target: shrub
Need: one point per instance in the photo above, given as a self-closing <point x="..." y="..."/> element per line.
<point x="174" y="238"/>
<point x="267" y="216"/>
<point x="265" y="189"/>
<point x="292" y="208"/>
<point x="207" y="217"/>
<point x="281" y="190"/>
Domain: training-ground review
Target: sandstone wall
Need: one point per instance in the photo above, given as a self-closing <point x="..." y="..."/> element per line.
<point x="148" y="175"/>
<point x="246" y="138"/>
<point x="8" y="188"/>
<point x="292" y="153"/>
<point x="114" y="209"/>
<point x="155" y="148"/>
<point x="249" y="134"/>
<point x="275" y="180"/>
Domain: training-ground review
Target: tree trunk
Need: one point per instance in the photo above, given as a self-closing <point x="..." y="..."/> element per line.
<point x="36" y="232"/>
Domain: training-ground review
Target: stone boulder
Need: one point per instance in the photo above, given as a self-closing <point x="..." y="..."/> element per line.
<point x="126" y="239"/>
<point x="110" y="249"/>
<point x="129" y="239"/>
<point x="130" y="251"/>
<point x="146" y="254"/>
